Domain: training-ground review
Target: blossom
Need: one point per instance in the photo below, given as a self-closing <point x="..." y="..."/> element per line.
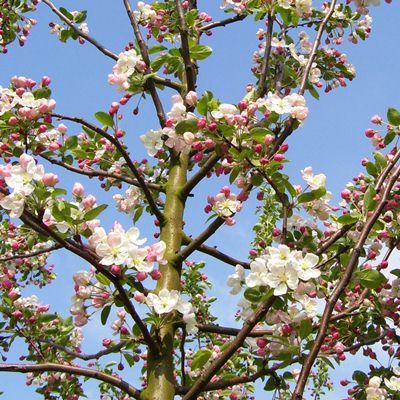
<point x="259" y="273"/>
<point x="225" y="205"/>
<point x="393" y="383"/>
<point x="314" y="181"/>
<point x="127" y="64"/>
<point x="280" y="105"/>
<point x="165" y="302"/>
<point x="22" y="175"/>
<point x="144" y="13"/>
<point x="374" y="391"/>
<point x="235" y="280"/>
<point x="153" y="141"/>
<point x="15" y="203"/>
<point x="137" y="259"/>
<point x="113" y="250"/>
<point x="224" y="110"/>
<point x="127" y="203"/>
<point x="306" y="267"/>
<point x="282" y="278"/>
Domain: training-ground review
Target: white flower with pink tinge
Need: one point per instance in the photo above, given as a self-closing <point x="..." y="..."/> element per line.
<point x="314" y="181"/>
<point x="226" y="204"/>
<point x="165" y="302"/>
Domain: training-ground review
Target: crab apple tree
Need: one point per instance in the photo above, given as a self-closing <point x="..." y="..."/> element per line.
<point x="318" y="286"/>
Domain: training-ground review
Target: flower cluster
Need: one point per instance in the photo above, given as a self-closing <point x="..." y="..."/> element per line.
<point x="23" y="99"/>
<point x="21" y="178"/>
<point x="154" y="140"/>
<point x="119" y="247"/>
<point x="293" y="104"/>
<point x="85" y="289"/>
<point x="224" y="204"/>
<point x="128" y="202"/>
<point x="279" y="268"/>
<point x="167" y="301"/>
<point x="128" y="63"/>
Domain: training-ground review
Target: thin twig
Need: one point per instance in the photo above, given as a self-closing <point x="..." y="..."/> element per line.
<point x="200" y="174"/>
<point x="73" y="370"/>
<point x="195" y="243"/>
<point x="267" y="55"/>
<point x="87" y="37"/>
<point x="87" y="357"/>
<point x="190" y="71"/>
<point x="126" y="157"/>
<point x="225" y="355"/>
<point x="330" y="304"/>
<point x="223" y="22"/>
<point x="96" y="173"/>
<point x="145" y="55"/>
<point x="31" y="254"/>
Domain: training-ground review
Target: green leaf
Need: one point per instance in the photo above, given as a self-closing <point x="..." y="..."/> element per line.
<point x="200" y="359"/>
<point x="389" y="137"/>
<point x="270" y="385"/>
<point x="380" y="159"/>
<point x="369" y="201"/>
<point x="257" y="180"/>
<point x="66" y="13"/>
<point x="94" y="212"/>
<point x="105" y="312"/>
<point x="104" y="118"/>
<point x="42" y="93"/>
<point x="313" y="195"/>
<point x="200" y="52"/>
<point x="305" y="328"/>
<point x="393" y="116"/>
<point x="253" y="295"/>
<point x="396" y="272"/>
<point x="65" y="34"/>
<point x="349" y="218"/>
<point x="371" y="168"/>
<point x="102" y="279"/>
<point x="258" y="134"/>
<point x="71" y="142"/>
<point x="234" y="174"/>
<point x="360" y="377"/>
<point x="129" y="359"/>
<point x="156" y="49"/>
<point x="371" y="278"/>
<point x="188" y="125"/>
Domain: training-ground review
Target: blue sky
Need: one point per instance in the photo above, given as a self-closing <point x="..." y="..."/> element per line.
<point x="331" y="140"/>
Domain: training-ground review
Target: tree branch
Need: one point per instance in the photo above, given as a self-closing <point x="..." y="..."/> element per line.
<point x="330" y="304"/>
<point x="223" y="22"/>
<point x="195" y="243"/>
<point x="236" y="343"/>
<point x="85" y="253"/>
<point x="265" y="64"/>
<point x="126" y="157"/>
<point x="145" y="54"/>
<point x="32" y="254"/>
<point x="87" y="357"/>
<point x="72" y="370"/>
<point x="87" y="37"/>
<point x="96" y="173"/>
<point x="200" y="174"/>
<point x="185" y="50"/>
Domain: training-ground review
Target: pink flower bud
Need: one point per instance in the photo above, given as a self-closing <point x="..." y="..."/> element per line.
<point x="106" y="342"/>
<point x="62" y="128"/>
<point x="191" y="98"/>
<point x="50" y="179"/>
<point x="116" y="269"/>
<point x="369" y="133"/>
<point x="46" y="81"/>
<point x="376" y="119"/>
<point x="155" y="274"/>
<point x="89" y="201"/>
<point x="139" y="297"/>
<point x="141" y="276"/>
<point x="78" y="189"/>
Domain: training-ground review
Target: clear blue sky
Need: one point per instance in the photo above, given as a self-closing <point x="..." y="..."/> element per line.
<point x="331" y="140"/>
